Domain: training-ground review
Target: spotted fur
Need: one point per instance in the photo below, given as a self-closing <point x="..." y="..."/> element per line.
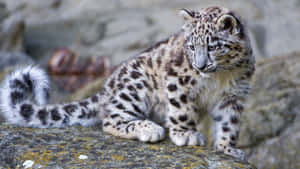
<point x="205" y="67"/>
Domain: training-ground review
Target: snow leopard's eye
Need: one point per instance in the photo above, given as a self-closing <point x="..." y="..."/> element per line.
<point x="192" y="47"/>
<point x="211" y="48"/>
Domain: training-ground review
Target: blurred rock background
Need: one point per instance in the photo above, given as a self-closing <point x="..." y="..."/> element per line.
<point x="33" y="31"/>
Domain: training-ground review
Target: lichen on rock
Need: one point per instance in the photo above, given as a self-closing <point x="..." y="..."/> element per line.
<point x="49" y="148"/>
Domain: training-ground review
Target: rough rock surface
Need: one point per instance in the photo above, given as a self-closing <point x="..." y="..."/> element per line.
<point x="12" y="29"/>
<point x="89" y="147"/>
<point x="271" y="133"/>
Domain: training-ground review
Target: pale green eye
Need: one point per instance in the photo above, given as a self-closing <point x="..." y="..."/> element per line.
<point x="210" y="48"/>
<point x="192" y="47"/>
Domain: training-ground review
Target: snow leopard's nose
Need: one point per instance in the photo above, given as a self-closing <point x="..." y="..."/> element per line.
<point x="206" y="67"/>
<point x="203" y="63"/>
<point x="200" y="67"/>
<point x="200" y="58"/>
<point x="199" y="63"/>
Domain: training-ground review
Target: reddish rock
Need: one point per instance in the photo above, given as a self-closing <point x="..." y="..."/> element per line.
<point x="71" y="71"/>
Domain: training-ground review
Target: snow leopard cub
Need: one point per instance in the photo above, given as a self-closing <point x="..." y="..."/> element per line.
<point x="205" y="67"/>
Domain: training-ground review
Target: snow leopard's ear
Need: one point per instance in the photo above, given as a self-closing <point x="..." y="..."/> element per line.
<point x="189" y="24"/>
<point x="187" y="14"/>
<point x="230" y="22"/>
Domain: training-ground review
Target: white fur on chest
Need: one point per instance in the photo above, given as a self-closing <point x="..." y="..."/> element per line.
<point x="212" y="89"/>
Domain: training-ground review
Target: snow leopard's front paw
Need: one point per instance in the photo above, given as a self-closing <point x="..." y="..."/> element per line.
<point x="237" y="153"/>
<point x="148" y="131"/>
<point x="188" y="137"/>
<point x="231" y="151"/>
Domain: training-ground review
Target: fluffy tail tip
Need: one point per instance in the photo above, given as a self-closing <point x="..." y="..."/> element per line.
<point x="31" y="78"/>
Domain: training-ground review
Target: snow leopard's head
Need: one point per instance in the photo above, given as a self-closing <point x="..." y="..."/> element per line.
<point x="216" y="40"/>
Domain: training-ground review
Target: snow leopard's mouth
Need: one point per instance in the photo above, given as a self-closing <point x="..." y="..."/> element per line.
<point x="210" y="69"/>
<point x="206" y="69"/>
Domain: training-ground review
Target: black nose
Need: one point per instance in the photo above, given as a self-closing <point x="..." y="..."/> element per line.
<point x="202" y="67"/>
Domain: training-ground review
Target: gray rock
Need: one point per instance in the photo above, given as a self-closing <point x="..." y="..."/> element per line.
<point x="271" y="132"/>
<point x="122" y="28"/>
<point x="11" y="30"/>
<point x="11" y="59"/>
<point x="64" y="148"/>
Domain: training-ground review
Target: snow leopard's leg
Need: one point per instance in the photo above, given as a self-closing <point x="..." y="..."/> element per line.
<point x="128" y="121"/>
<point x="182" y="123"/>
<point x="226" y="117"/>
<point x="129" y="106"/>
<point x="182" y="117"/>
<point x="124" y="127"/>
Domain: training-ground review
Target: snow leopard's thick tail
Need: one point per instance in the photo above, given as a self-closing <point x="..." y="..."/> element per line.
<point x="23" y="101"/>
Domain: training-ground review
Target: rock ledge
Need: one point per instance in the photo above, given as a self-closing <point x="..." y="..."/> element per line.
<point x="89" y="147"/>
